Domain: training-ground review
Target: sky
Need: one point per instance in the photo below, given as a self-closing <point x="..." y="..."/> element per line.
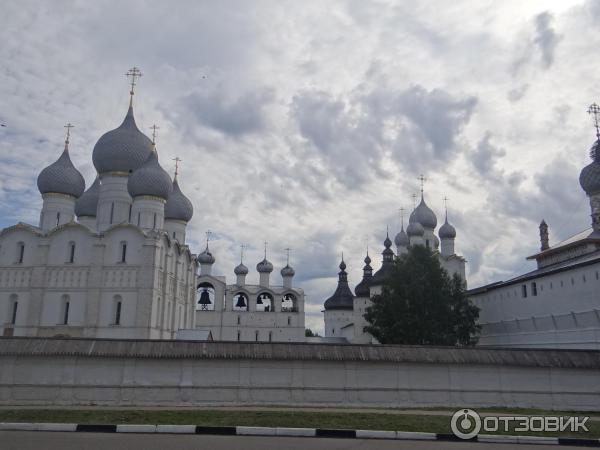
<point x="307" y="124"/>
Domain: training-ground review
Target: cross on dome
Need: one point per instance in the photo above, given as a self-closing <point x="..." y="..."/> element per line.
<point x="68" y="126"/>
<point x="594" y="110"/>
<point x="154" y="128"/>
<point x="177" y="161"/>
<point x="422" y="179"/>
<point x="135" y="74"/>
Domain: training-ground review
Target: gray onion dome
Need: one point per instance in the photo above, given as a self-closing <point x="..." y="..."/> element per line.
<point x="424" y="215"/>
<point x="415" y="229"/>
<point x="87" y="204"/>
<point x="589" y="178"/>
<point x="150" y="179"/>
<point x="178" y="207"/>
<point x="123" y="149"/>
<point x="288" y="271"/>
<point x="264" y="266"/>
<point x="241" y="270"/>
<point x="401" y="239"/>
<point x="61" y="177"/>
<point x="206" y="257"/>
<point x="447" y="231"/>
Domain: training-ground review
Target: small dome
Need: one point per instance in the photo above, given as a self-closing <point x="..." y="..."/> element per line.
<point x="342" y="265"/>
<point x="447" y="231"/>
<point x="206" y="257"/>
<point x="424" y="215"/>
<point x="367" y="260"/>
<point x="123" y="149"/>
<point x="264" y="266"/>
<point x="178" y="207"/>
<point x="61" y="177"/>
<point x="589" y="179"/>
<point x="415" y="229"/>
<point x="150" y="179"/>
<point x="401" y="239"/>
<point x="288" y="271"/>
<point x="240" y="269"/>
<point x="362" y="289"/>
<point x="87" y="204"/>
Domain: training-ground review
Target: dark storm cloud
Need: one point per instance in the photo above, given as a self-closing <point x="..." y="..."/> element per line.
<point x="545" y="38"/>
<point x="486" y="154"/>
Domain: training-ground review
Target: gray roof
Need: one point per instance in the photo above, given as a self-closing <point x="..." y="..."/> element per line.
<point x="342" y="298"/>
<point x="424" y="215"/>
<point x="61" y="177"/>
<point x="150" y="179"/>
<point x="178" y="206"/>
<point x="264" y="266"/>
<point x="447" y="231"/>
<point x="173" y="349"/>
<point x="123" y="149"/>
<point x="87" y="204"/>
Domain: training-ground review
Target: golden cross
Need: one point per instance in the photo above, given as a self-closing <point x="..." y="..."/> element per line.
<point x="154" y="128"/>
<point x="177" y="161"/>
<point x="68" y="126"/>
<point x="134" y="73"/>
<point x="594" y="109"/>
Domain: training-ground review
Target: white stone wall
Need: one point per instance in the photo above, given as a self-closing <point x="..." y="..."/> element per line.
<point x="122" y="381"/>
<point x="562" y="311"/>
<point x="336" y="320"/>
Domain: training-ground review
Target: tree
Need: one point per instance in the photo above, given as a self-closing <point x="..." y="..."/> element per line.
<point x="310" y="333"/>
<point x="420" y="304"/>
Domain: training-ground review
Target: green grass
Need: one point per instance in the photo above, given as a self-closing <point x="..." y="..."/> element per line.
<point x="290" y="418"/>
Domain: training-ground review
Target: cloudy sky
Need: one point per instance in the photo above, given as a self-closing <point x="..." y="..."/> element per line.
<point x="306" y="124"/>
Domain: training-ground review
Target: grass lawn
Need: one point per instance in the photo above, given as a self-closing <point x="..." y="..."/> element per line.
<point x="295" y="419"/>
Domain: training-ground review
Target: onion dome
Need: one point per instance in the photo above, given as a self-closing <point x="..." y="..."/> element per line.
<point x="401" y="239"/>
<point x="288" y="271"/>
<point x="178" y="206"/>
<point x="87" y="204"/>
<point x="206" y="257"/>
<point x="589" y="178"/>
<point x="264" y="266"/>
<point x="424" y="215"/>
<point x="240" y="269"/>
<point x="436" y="242"/>
<point x="362" y="288"/>
<point x="415" y="229"/>
<point x="447" y="231"/>
<point x="123" y="149"/>
<point x="387" y="265"/>
<point x="61" y="177"/>
<point x="150" y="179"/>
<point x="342" y="298"/>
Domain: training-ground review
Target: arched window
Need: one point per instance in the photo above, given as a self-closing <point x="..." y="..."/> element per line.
<point x="14" y="299"/>
<point x="270" y="336"/>
<point x="20" y="252"/>
<point x="118" y="302"/>
<point x="154" y="222"/>
<point x="123" y="251"/>
<point x="71" y="256"/>
<point x="112" y="212"/>
<point x="289" y="303"/>
<point x="66" y="305"/>
<point x="264" y="302"/>
<point x="57" y="219"/>
<point x="240" y="302"/>
<point x="129" y="216"/>
<point x="205" y="298"/>
<point x="256" y="335"/>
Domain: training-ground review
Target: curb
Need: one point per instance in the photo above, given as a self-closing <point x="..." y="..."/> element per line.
<point x="295" y="432"/>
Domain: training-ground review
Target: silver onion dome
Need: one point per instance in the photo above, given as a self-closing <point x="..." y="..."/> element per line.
<point x="178" y="207"/>
<point x="447" y="231"/>
<point x="402" y="239"/>
<point x="206" y="257"/>
<point x="264" y="266"/>
<point x="241" y="269"/>
<point x="415" y="229"/>
<point x="150" y="179"/>
<point x="589" y="178"/>
<point x="288" y="271"/>
<point x="424" y="215"/>
<point x="61" y="177"/>
<point x="123" y="149"/>
<point x="87" y="204"/>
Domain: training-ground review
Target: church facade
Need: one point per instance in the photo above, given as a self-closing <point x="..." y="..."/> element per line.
<point x="344" y="311"/>
<point x="557" y="305"/>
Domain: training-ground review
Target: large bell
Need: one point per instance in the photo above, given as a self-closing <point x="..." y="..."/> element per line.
<point x="204" y="298"/>
<point x="241" y="302"/>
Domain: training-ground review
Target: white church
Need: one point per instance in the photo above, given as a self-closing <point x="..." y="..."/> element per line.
<point x="112" y="261"/>
<point x="557" y="305"/>
<point x="344" y="311"/>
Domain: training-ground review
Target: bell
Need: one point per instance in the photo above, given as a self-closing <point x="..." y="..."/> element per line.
<point x="204" y="298"/>
<point x="259" y="301"/>
<point x="241" y="303"/>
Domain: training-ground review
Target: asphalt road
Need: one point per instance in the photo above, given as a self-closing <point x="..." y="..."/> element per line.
<point x="36" y="440"/>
